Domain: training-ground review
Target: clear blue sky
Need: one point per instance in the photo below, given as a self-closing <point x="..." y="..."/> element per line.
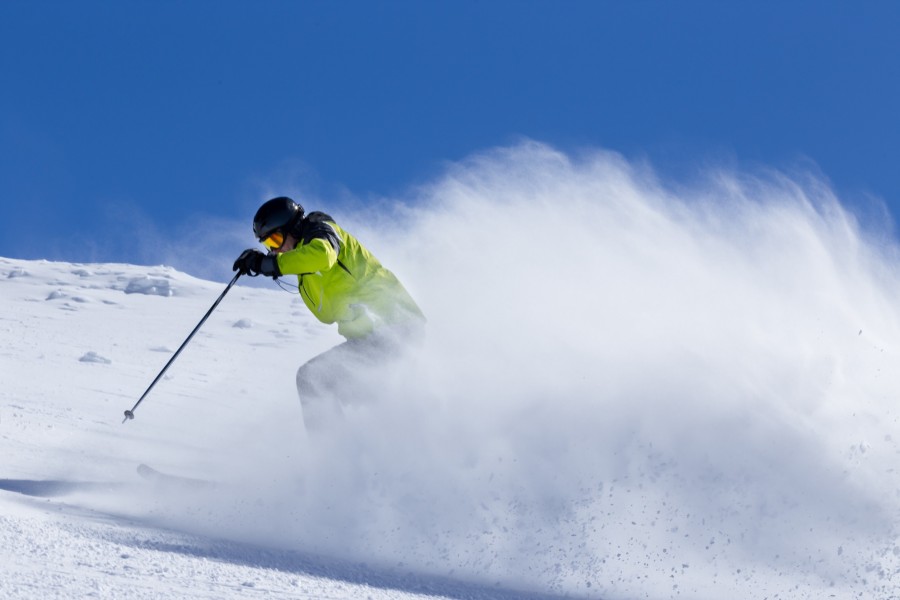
<point x="181" y="108"/>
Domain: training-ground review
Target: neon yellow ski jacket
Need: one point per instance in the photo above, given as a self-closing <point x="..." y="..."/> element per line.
<point x="341" y="281"/>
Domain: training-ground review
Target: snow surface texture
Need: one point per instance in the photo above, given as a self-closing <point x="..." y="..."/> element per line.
<point x="627" y="391"/>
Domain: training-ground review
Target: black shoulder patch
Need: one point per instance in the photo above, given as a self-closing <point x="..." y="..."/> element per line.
<point x="317" y="216"/>
<point x="316" y="226"/>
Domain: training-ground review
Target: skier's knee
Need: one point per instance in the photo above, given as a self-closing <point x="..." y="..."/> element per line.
<point x="320" y="408"/>
<point x="305" y="387"/>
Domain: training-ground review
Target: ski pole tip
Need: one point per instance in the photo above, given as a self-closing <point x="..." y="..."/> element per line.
<point x="128" y="415"/>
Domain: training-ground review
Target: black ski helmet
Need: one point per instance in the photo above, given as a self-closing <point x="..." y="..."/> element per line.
<point x="278" y="214"/>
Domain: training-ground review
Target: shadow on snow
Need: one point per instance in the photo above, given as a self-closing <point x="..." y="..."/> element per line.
<point x="291" y="561"/>
<point x="52" y="488"/>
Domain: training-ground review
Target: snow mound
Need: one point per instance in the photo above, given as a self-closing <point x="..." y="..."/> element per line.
<point x="93" y="357"/>
<point x="243" y="324"/>
<point x="150" y="286"/>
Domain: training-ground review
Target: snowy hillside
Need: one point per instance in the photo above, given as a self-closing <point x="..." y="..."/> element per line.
<point x="641" y="396"/>
<point x="80" y="343"/>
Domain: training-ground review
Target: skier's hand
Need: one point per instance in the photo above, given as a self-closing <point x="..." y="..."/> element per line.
<point x="252" y="262"/>
<point x="249" y="262"/>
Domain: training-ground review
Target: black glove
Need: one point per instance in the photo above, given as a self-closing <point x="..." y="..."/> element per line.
<point x="252" y="262"/>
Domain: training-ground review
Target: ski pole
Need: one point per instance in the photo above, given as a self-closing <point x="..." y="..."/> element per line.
<point x="129" y="414"/>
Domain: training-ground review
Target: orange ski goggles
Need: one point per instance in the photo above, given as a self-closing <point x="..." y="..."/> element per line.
<point x="273" y="241"/>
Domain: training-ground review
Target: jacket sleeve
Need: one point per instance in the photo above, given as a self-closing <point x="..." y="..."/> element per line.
<point x="314" y="256"/>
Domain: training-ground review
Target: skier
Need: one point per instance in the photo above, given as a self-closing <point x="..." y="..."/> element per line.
<point x="340" y="281"/>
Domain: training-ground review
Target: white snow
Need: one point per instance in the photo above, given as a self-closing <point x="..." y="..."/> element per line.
<point x="68" y="374"/>
<point x="626" y="392"/>
<point x="61" y="420"/>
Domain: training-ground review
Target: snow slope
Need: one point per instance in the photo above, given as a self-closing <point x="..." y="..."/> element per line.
<point x="80" y="343"/>
<point x="644" y="391"/>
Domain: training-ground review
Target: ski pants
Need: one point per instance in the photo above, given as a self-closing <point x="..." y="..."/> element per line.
<point x="339" y="377"/>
